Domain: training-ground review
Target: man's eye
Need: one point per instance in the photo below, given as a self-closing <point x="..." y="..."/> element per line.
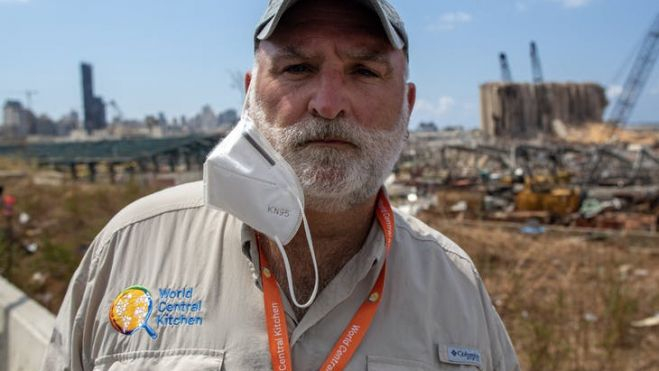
<point x="297" y="68"/>
<point x="366" y="72"/>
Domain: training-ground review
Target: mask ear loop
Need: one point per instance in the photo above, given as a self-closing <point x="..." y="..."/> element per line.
<point x="287" y="266"/>
<point x="243" y="112"/>
<point x="280" y="246"/>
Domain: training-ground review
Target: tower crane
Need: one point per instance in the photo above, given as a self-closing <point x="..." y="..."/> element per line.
<point x="28" y="96"/>
<point x="638" y="76"/>
<point x="118" y="114"/>
<point x="506" y="76"/>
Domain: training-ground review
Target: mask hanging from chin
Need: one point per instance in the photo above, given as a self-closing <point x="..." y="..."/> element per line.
<point x="246" y="177"/>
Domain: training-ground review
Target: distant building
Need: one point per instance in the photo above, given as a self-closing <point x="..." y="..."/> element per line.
<point x="207" y="119"/>
<point x="453" y="128"/>
<point x="162" y="120"/>
<point x="67" y="123"/>
<point x="204" y="121"/>
<point x="14" y="114"/>
<point x="427" y="127"/>
<point x="43" y="126"/>
<point x="93" y="106"/>
<point x="228" y="117"/>
<point x="17" y="120"/>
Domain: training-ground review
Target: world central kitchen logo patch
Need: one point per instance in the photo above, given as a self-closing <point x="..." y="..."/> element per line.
<point x="132" y="309"/>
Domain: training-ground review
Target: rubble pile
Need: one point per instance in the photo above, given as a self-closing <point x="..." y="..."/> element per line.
<point x="602" y="133"/>
<point x="579" y="185"/>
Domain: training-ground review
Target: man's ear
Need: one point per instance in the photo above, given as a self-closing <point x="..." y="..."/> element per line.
<point x="248" y="79"/>
<point x="411" y="96"/>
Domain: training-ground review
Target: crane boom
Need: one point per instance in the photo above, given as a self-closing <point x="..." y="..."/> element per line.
<point x="506" y="76"/>
<point x="536" y="67"/>
<point x="119" y="115"/>
<point x="638" y="76"/>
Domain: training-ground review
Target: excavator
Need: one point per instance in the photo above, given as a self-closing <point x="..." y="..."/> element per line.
<point x="547" y="188"/>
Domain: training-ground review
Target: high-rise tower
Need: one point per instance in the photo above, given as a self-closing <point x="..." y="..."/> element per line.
<point x="93" y="106"/>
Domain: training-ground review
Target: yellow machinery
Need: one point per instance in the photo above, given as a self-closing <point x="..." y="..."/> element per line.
<point x="548" y="193"/>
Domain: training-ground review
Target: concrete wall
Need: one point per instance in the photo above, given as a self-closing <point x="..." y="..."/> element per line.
<point x="25" y="329"/>
<point x="527" y="111"/>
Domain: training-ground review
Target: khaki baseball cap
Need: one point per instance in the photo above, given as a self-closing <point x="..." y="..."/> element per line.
<point x="391" y="21"/>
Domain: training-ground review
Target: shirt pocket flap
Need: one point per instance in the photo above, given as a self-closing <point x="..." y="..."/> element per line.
<point x="163" y="360"/>
<point x="461" y="355"/>
<point x="376" y="363"/>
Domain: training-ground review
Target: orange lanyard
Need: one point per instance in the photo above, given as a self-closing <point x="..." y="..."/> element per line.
<point x="352" y="336"/>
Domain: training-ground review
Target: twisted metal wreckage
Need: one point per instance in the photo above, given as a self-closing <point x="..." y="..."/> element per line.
<point x="593" y="186"/>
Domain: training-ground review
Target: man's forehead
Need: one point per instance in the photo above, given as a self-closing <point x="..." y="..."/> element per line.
<point x="304" y="52"/>
<point x="355" y="52"/>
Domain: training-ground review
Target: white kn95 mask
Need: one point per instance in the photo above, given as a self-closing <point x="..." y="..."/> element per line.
<point x="246" y="177"/>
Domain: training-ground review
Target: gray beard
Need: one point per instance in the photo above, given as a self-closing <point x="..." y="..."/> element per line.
<point x="335" y="180"/>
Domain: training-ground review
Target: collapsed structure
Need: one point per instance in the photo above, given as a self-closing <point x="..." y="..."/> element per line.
<point x="526" y="111"/>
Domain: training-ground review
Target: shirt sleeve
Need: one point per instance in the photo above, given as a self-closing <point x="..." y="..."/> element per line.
<point x="65" y="350"/>
<point x="503" y="352"/>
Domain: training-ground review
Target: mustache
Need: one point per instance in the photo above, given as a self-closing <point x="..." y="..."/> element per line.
<point x="316" y="129"/>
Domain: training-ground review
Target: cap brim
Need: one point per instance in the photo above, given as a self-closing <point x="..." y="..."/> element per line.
<point x="273" y="16"/>
<point x="389" y="29"/>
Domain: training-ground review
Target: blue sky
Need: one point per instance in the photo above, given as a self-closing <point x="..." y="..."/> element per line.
<point x="175" y="56"/>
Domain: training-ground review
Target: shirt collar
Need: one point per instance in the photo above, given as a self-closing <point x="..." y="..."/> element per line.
<point x="371" y="253"/>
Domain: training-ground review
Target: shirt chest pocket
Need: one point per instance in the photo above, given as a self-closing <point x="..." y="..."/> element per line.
<point x="451" y="358"/>
<point x="392" y="364"/>
<point x="395" y="364"/>
<point x="163" y="360"/>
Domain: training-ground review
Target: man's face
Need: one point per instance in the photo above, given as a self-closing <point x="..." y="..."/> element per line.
<point x="329" y="92"/>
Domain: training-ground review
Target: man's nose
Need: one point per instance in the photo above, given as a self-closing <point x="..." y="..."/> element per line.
<point x="329" y="98"/>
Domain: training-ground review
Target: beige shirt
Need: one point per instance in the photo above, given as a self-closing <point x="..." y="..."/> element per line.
<point x="199" y="266"/>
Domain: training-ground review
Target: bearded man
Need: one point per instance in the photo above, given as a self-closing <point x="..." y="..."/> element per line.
<point x="292" y="210"/>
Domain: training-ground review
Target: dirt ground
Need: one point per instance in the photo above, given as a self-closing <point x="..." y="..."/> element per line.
<point x="568" y="301"/>
<point x="61" y="222"/>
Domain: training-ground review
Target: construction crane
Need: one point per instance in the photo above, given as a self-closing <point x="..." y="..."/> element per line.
<point x="506" y="76"/>
<point x="536" y="68"/>
<point x="542" y="92"/>
<point x="28" y="96"/>
<point x="118" y="117"/>
<point x="638" y="76"/>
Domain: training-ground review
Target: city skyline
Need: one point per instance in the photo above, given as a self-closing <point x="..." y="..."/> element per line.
<point x="175" y="58"/>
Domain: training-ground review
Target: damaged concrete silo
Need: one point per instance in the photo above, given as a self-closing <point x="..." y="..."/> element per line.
<point x="527" y="111"/>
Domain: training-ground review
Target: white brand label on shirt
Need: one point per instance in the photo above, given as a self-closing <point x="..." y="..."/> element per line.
<point x="464" y="356"/>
